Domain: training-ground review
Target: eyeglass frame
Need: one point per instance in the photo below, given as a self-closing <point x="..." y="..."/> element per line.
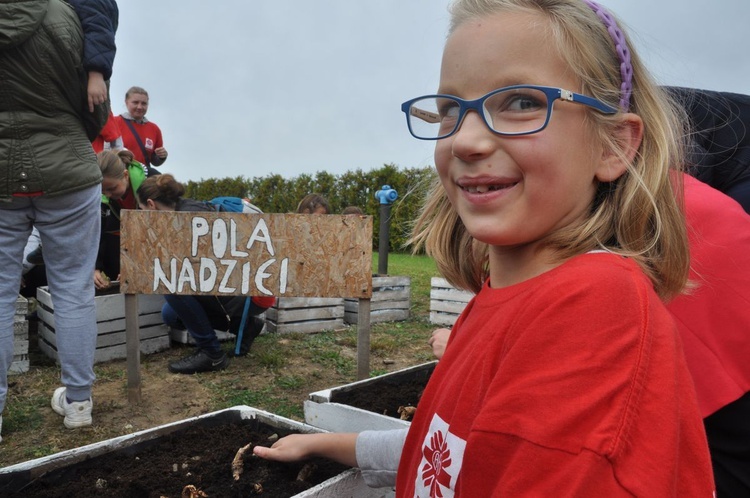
<point x="551" y="93"/>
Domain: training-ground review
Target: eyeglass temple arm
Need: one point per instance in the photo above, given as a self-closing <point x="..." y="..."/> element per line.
<point x="583" y="99"/>
<point x="427" y="116"/>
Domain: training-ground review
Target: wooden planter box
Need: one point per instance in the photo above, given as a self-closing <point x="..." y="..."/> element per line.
<point x="20" y="362"/>
<point x="390" y="302"/>
<point x="49" y="468"/>
<point x="446" y="302"/>
<point x="305" y="314"/>
<point x="328" y="409"/>
<point x="110" y="321"/>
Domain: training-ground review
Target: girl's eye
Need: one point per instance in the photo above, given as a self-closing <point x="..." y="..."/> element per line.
<point x="523" y="103"/>
<point x="516" y="101"/>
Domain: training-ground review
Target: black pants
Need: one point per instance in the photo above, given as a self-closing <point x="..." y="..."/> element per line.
<point x="36" y="277"/>
<point x="728" y="432"/>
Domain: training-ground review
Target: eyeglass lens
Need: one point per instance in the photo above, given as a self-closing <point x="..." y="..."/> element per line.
<point x="512" y="111"/>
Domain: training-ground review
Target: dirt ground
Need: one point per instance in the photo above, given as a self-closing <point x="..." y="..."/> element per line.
<point x="166" y="397"/>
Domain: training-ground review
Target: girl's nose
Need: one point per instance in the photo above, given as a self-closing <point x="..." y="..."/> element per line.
<point x="473" y="140"/>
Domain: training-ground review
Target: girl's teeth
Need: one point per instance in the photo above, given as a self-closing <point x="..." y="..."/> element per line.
<point x="481" y="189"/>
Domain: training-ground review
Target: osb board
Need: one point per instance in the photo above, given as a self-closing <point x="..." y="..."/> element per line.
<point x="167" y="252"/>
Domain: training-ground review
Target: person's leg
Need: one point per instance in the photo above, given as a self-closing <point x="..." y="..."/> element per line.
<point x="33" y="279"/>
<point x="170" y="318"/>
<point x="15" y="227"/>
<point x="253" y="326"/>
<point x="728" y="433"/>
<point x="69" y="226"/>
<point x="188" y="310"/>
<point x="208" y="355"/>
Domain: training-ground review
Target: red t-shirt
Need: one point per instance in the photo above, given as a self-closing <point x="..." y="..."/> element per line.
<point x="572" y="383"/>
<point x="714" y="318"/>
<point x="150" y="136"/>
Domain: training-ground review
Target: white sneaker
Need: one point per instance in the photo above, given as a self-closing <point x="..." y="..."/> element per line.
<point x="76" y="413"/>
<point x="1" y="428"/>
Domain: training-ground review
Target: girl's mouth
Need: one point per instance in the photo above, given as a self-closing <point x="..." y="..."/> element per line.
<point x="481" y="189"/>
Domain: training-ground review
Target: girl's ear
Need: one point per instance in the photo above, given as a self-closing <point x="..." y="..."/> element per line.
<point x="628" y="136"/>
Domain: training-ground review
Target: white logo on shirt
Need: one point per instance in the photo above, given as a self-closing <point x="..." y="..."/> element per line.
<point x="149" y="144"/>
<point x="442" y="458"/>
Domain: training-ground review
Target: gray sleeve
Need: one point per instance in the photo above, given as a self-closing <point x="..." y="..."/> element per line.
<point x="378" y="454"/>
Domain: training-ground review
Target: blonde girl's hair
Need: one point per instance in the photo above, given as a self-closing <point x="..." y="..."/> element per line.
<point x="639" y="215"/>
<point x="113" y="163"/>
<point x="163" y="189"/>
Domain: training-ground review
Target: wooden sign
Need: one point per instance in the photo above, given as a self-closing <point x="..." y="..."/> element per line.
<point x="296" y="255"/>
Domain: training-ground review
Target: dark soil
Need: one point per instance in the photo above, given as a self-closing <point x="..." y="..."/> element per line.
<point x="199" y="455"/>
<point x="385" y="395"/>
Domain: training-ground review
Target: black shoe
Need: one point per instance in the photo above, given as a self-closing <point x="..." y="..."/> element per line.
<point x="36" y="257"/>
<point x="199" y="362"/>
<point x="251" y="332"/>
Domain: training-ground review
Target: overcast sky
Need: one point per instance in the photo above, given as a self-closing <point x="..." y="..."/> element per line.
<point x="251" y="88"/>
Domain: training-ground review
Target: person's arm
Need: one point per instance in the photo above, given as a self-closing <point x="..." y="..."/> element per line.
<point x="99" y="19"/>
<point x="379" y="454"/>
<point x="438" y="341"/>
<point x="376" y="453"/>
<point x="337" y="447"/>
<point x="159" y="155"/>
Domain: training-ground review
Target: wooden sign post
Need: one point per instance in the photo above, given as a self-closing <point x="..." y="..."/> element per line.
<point x="229" y="254"/>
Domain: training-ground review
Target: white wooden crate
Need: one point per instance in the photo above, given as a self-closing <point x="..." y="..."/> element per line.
<point x="446" y="302"/>
<point x="305" y="314"/>
<point x="20" y="363"/>
<point x="110" y="322"/>
<point x="390" y="302"/>
<point x="347" y="484"/>
<point x="322" y="410"/>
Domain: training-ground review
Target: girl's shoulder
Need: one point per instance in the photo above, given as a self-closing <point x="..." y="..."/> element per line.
<point x="602" y="273"/>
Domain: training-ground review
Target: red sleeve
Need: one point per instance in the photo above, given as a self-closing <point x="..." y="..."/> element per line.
<point x="111" y="130"/>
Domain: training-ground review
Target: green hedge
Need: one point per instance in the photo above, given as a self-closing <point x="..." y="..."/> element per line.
<point x="275" y="194"/>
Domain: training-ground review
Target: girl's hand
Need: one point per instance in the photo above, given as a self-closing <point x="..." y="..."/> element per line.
<point x="161" y="152"/>
<point x="288" y="449"/>
<point x="338" y="447"/>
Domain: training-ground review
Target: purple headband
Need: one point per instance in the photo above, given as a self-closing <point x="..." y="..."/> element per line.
<point x="626" y="68"/>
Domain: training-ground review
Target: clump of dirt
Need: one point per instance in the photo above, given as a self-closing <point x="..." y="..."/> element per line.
<point x="200" y="457"/>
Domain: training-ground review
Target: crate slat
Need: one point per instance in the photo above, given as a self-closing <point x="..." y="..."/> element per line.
<point x="110" y="323"/>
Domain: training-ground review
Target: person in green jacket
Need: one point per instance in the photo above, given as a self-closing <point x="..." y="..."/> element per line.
<point x="122" y="176"/>
<point x="49" y="179"/>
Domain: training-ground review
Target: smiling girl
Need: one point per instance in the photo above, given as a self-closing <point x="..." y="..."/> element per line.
<point x="556" y="203"/>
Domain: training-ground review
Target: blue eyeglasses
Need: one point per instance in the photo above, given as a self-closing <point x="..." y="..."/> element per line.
<point x="512" y="110"/>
